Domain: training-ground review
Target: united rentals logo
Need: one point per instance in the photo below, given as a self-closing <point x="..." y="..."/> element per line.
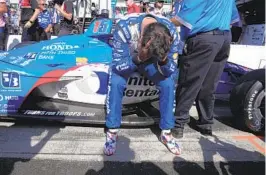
<point x="141" y="91"/>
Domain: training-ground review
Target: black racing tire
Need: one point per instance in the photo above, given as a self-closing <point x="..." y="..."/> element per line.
<point x="23" y="44"/>
<point x="247" y="101"/>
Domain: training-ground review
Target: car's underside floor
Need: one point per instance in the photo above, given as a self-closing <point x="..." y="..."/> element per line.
<point x="142" y="114"/>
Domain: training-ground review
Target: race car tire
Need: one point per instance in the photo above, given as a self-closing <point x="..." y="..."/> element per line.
<point x="23" y="44"/>
<point x="247" y="101"/>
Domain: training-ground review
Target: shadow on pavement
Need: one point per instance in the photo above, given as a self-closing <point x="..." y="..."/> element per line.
<point x="17" y="146"/>
<point x="125" y="165"/>
<point x="210" y="166"/>
<point x="230" y="165"/>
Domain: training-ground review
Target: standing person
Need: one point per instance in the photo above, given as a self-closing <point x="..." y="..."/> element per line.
<point x="45" y="21"/>
<point x="14" y="21"/>
<point x="55" y="21"/>
<point x="149" y="46"/>
<point x="118" y="14"/>
<point x="141" y="6"/>
<point x="67" y="11"/>
<point x="94" y="10"/>
<point x="3" y="9"/>
<point x="132" y="7"/>
<point x="158" y="8"/>
<point x="29" y="13"/>
<point x="205" y="53"/>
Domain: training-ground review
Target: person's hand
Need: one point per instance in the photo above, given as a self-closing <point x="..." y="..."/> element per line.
<point x="143" y="54"/>
<point x="28" y="24"/>
<point x="163" y="61"/>
<point x="47" y="30"/>
<point x="57" y="7"/>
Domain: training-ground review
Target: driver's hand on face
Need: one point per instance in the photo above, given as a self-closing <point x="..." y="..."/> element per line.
<point x="143" y="54"/>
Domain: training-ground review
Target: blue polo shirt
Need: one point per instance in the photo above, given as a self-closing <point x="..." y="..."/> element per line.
<point x="44" y="19"/>
<point x="205" y="15"/>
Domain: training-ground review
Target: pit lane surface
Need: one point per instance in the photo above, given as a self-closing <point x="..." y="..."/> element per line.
<point x="44" y="148"/>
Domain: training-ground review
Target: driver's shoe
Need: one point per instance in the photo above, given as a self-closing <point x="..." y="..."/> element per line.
<point x="170" y="142"/>
<point x="110" y="144"/>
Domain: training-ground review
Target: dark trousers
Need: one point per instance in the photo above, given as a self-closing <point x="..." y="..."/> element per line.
<point x="56" y="29"/>
<point x="43" y="35"/>
<point x="64" y="31"/>
<point x="201" y="66"/>
<point x="3" y="37"/>
<point x="30" y="34"/>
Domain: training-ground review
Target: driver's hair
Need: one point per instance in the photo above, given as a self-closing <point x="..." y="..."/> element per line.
<point x="161" y="40"/>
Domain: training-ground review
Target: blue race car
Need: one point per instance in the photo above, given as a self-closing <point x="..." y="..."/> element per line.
<point x="65" y="79"/>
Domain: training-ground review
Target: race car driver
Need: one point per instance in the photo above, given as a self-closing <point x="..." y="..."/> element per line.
<point x="147" y="44"/>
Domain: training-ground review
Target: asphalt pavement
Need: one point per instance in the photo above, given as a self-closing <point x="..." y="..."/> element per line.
<point x="45" y="148"/>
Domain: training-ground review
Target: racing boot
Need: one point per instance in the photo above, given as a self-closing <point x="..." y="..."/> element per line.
<point x="110" y="144"/>
<point x="170" y="142"/>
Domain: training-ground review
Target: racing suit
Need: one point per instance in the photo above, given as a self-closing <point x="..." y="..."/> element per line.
<point x="126" y="36"/>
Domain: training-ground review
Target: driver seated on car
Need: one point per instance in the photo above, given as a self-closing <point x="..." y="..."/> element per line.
<point x="149" y="45"/>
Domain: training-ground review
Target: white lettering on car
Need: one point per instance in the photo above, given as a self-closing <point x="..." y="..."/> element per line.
<point x="59" y="113"/>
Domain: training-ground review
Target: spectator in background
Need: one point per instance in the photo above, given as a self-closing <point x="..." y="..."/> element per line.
<point x="67" y="11"/>
<point x="118" y="13"/>
<point x="132" y="7"/>
<point x="28" y="16"/>
<point x="148" y="8"/>
<point x="14" y="21"/>
<point x="141" y="6"/>
<point x="158" y="8"/>
<point x="55" y="21"/>
<point x="3" y="9"/>
<point x="93" y="10"/>
<point x="45" y="21"/>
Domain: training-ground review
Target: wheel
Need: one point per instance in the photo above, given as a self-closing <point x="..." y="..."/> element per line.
<point x="26" y="43"/>
<point x="247" y="101"/>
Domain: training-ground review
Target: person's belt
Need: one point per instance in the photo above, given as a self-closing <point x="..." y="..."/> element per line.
<point x="212" y="32"/>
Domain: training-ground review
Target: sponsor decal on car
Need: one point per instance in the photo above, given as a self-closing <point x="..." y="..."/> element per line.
<point x="66" y="52"/>
<point x="46" y="57"/>
<point x="3" y="55"/>
<point x="59" y="113"/>
<point x="10" y="80"/>
<point x="60" y="47"/>
<point x="8" y="97"/>
<point x="63" y="93"/>
<point x="140" y="92"/>
<point x="18" y="60"/>
<point x="6" y="107"/>
<point x="81" y="61"/>
<point x="140" y="82"/>
<point x="31" y="55"/>
<point x="50" y="51"/>
<point x="100" y="27"/>
<point x="27" y="62"/>
<point x="175" y="56"/>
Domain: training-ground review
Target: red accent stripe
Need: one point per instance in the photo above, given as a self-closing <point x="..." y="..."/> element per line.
<point x="51" y="76"/>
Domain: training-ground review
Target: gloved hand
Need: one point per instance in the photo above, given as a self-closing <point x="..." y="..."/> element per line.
<point x="28" y="24"/>
<point x="163" y="61"/>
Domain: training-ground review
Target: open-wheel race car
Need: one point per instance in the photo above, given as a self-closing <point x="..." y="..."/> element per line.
<point x="66" y="79"/>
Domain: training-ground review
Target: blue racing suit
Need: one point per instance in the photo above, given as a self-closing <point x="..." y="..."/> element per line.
<point x="126" y="36"/>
